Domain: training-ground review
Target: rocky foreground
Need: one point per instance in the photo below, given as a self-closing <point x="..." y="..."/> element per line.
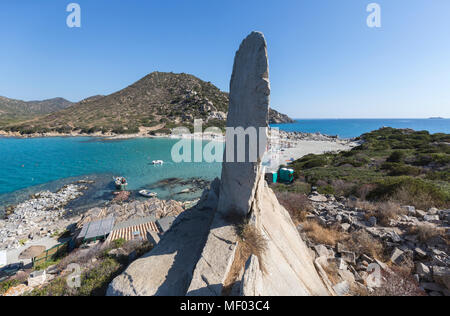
<point x="407" y="239"/>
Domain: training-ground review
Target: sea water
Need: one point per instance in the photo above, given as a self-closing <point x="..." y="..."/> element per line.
<point x="30" y="165"/>
<point x="349" y="128"/>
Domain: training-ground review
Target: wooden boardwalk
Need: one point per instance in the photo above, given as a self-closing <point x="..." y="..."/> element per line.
<point x="133" y="232"/>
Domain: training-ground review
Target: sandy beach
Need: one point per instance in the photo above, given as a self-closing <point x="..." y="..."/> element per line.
<point x="306" y="147"/>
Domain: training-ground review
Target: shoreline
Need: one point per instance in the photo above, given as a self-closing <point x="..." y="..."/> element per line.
<point x="203" y="136"/>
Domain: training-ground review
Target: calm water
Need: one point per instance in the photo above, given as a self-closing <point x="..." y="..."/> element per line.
<point x="32" y="165"/>
<point x="348" y="128"/>
<point x="29" y="165"/>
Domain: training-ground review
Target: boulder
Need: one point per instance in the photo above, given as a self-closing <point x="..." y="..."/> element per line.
<point x="248" y="109"/>
<point x="342" y="288"/>
<point x="37" y="278"/>
<point x="349" y="257"/>
<point x="323" y="251"/>
<point x="423" y="270"/>
<point x="431" y="218"/>
<point x="397" y="256"/>
<point x="441" y="275"/>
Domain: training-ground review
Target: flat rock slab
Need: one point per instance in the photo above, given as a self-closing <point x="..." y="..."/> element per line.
<point x="286" y="267"/>
<point x="215" y="261"/>
<point x="167" y="269"/>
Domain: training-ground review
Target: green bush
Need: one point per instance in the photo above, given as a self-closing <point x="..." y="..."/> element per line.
<point x="408" y="189"/>
<point x="57" y="287"/>
<point x="326" y="189"/>
<point x="396" y="156"/>
<point x="6" y="285"/>
<point x="400" y="169"/>
<point x="95" y="282"/>
<point x="295" y="187"/>
<point x="118" y="243"/>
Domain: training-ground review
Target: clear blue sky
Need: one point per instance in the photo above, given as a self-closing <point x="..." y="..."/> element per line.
<point x="325" y="62"/>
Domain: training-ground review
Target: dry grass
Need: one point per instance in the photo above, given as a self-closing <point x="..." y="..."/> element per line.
<point x="398" y="283"/>
<point x="332" y="272"/>
<point x="251" y="242"/>
<point x="296" y="204"/>
<point x="426" y="232"/>
<point x="364" y="190"/>
<point x="323" y="235"/>
<point x="363" y="243"/>
<point x="388" y="211"/>
<point x="342" y="187"/>
<point x="420" y="199"/>
<point x="362" y="205"/>
<point x="240" y="259"/>
<point x="384" y="211"/>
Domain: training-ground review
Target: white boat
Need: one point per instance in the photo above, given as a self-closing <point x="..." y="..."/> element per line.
<point x="157" y="162"/>
<point x="148" y="193"/>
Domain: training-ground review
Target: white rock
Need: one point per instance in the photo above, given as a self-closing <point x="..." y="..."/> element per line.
<point x="249" y="107"/>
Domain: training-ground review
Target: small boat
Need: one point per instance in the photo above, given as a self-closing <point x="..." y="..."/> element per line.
<point x="121" y="183"/>
<point x="157" y="162"/>
<point x="148" y="193"/>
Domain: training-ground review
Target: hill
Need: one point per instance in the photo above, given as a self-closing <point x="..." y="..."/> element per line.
<point x="12" y="110"/>
<point x="158" y="102"/>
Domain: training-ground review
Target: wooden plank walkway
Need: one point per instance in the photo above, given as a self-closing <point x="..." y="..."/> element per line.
<point x="128" y="233"/>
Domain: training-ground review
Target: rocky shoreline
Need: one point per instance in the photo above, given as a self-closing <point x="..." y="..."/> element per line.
<point x="290" y="136"/>
<point x="45" y="214"/>
<point x="42" y="215"/>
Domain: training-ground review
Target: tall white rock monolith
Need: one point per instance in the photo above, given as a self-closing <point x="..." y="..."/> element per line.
<point x="248" y="118"/>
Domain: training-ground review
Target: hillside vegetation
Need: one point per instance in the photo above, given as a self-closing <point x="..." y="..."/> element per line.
<point x="12" y="111"/>
<point x="412" y="168"/>
<point x="158" y="102"/>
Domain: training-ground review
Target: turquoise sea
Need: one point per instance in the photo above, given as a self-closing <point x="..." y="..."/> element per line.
<point x="36" y="164"/>
<point x="348" y="128"/>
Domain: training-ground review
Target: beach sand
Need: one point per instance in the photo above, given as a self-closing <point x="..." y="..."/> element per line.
<point x="295" y="150"/>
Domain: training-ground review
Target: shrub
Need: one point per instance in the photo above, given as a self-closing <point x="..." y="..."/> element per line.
<point x="326" y="189"/>
<point x="298" y="187"/>
<point x="396" y="156"/>
<point x="400" y="169"/>
<point x="426" y="232"/>
<point x="95" y="282"/>
<point x="296" y="204"/>
<point x="57" y="287"/>
<point x="6" y="285"/>
<point x="409" y="190"/>
<point x="363" y="190"/>
<point x="399" y="282"/>
<point x="315" y="162"/>
<point x="342" y="187"/>
<point x="363" y="243"/>
<point x="388" y="211"/>
<point x="118" y="243"/>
